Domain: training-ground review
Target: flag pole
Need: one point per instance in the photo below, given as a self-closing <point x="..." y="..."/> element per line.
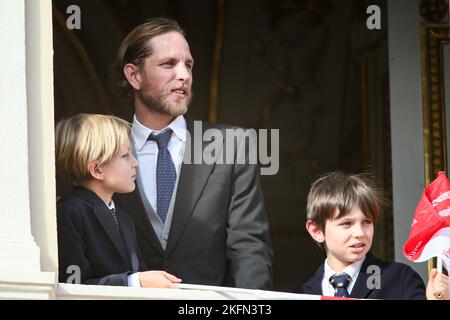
<point x="439" y="263"/>
<point x="431" y="265"/>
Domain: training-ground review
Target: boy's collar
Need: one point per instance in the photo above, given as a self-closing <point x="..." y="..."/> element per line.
<point x="90" y="196"/>
<point x="352" y="270"/>
<point x="111" y="205"/>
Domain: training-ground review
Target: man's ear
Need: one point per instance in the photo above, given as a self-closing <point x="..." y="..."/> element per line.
<point x="96" y="170"/>
<point x="315" y="231"/>
<point x="133" y="75"/>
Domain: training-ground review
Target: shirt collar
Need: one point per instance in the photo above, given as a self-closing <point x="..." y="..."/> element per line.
<point x="140" y="133"/>
<point x="111" y="206"/>
<point x="352" y="270"/>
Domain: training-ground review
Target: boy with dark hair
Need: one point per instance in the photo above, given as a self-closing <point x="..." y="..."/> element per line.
<point x="341" y="213"/>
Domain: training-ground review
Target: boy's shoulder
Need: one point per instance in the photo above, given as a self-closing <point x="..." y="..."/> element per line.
<point x="372" y="265"/>
<point x="389" y="270"/>
<point x="398" y="280"/>
<point x="372" y="261"/>
<point x="314" y="284"/>
<point x="83" y="202"/>
<point x="78" y="199"/>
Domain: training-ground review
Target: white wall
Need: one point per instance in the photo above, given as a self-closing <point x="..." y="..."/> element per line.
<point x="18" y="250"/>
<point x="25" y="136"/>
<point x="39" y="80"/>
<point x="406" y="119"/>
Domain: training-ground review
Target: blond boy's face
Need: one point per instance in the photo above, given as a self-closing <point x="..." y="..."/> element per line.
<point x="347" y="239"/>
<point x="120" y="172"/>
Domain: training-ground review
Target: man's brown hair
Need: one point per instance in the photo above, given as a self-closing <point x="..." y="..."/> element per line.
<point x="134" y="49"/>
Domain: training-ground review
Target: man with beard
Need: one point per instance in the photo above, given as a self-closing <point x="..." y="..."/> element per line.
<point x="205" y="223"/>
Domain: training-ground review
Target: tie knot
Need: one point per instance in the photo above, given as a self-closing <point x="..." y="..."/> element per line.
<point x="113" y="213"/>
<point x="340" y="280"/>
<point x="162" y="139"/>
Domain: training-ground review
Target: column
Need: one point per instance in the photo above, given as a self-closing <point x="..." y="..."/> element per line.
<point x="20" y="265"/>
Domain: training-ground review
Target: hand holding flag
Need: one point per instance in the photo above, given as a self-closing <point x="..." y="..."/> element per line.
<point x="438" y="287"/>
<point x="430" y="229"/>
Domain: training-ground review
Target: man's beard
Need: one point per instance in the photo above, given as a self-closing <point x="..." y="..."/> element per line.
<point x="156" y="103"/>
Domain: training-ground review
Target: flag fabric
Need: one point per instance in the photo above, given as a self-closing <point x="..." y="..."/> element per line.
<point x="430" y="229"/>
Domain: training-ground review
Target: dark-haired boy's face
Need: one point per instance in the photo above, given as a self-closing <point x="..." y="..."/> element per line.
<point x="347" y="239"/>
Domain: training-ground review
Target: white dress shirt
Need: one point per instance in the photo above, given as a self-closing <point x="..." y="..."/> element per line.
<point x="111" y="205"/>
<point x="147" y="155"/>
<point x="352" y="270"/>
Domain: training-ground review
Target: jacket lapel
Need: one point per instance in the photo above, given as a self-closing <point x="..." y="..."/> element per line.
<point x="361" y="289"/>
<point x="104" y="216"/>
<point x="192" y="182"/>
<point x="128" y="235"/>
<point x="135" y="208"/>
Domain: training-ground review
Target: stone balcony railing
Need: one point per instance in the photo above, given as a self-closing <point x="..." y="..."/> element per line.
<point x="43" y="285"/>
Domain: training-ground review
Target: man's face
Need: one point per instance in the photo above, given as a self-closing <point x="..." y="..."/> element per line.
<point x="167" y="75"/>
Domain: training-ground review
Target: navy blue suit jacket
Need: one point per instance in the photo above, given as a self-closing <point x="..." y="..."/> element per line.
<point x="398" y="282"/>
<point x="88" y="238"/>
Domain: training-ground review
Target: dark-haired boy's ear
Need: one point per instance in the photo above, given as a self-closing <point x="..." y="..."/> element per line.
<point x="95" y="170"/>
<point x="315" y="231"/>
<point x="133" y="75"/>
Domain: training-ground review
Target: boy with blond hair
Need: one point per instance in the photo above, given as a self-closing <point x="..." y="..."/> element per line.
<point x="341" y="213"/>
<point x="95" y="238"/>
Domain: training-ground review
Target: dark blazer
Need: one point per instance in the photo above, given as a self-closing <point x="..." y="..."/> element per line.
<point x="398" y="282"/>
<point x="219" y="233"/>
<point x="88" y="238"/>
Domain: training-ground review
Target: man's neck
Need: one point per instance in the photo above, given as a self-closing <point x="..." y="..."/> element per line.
<point x="152" y="119"/>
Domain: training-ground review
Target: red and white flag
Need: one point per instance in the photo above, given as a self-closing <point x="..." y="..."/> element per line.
<point x="430" y="229"/>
